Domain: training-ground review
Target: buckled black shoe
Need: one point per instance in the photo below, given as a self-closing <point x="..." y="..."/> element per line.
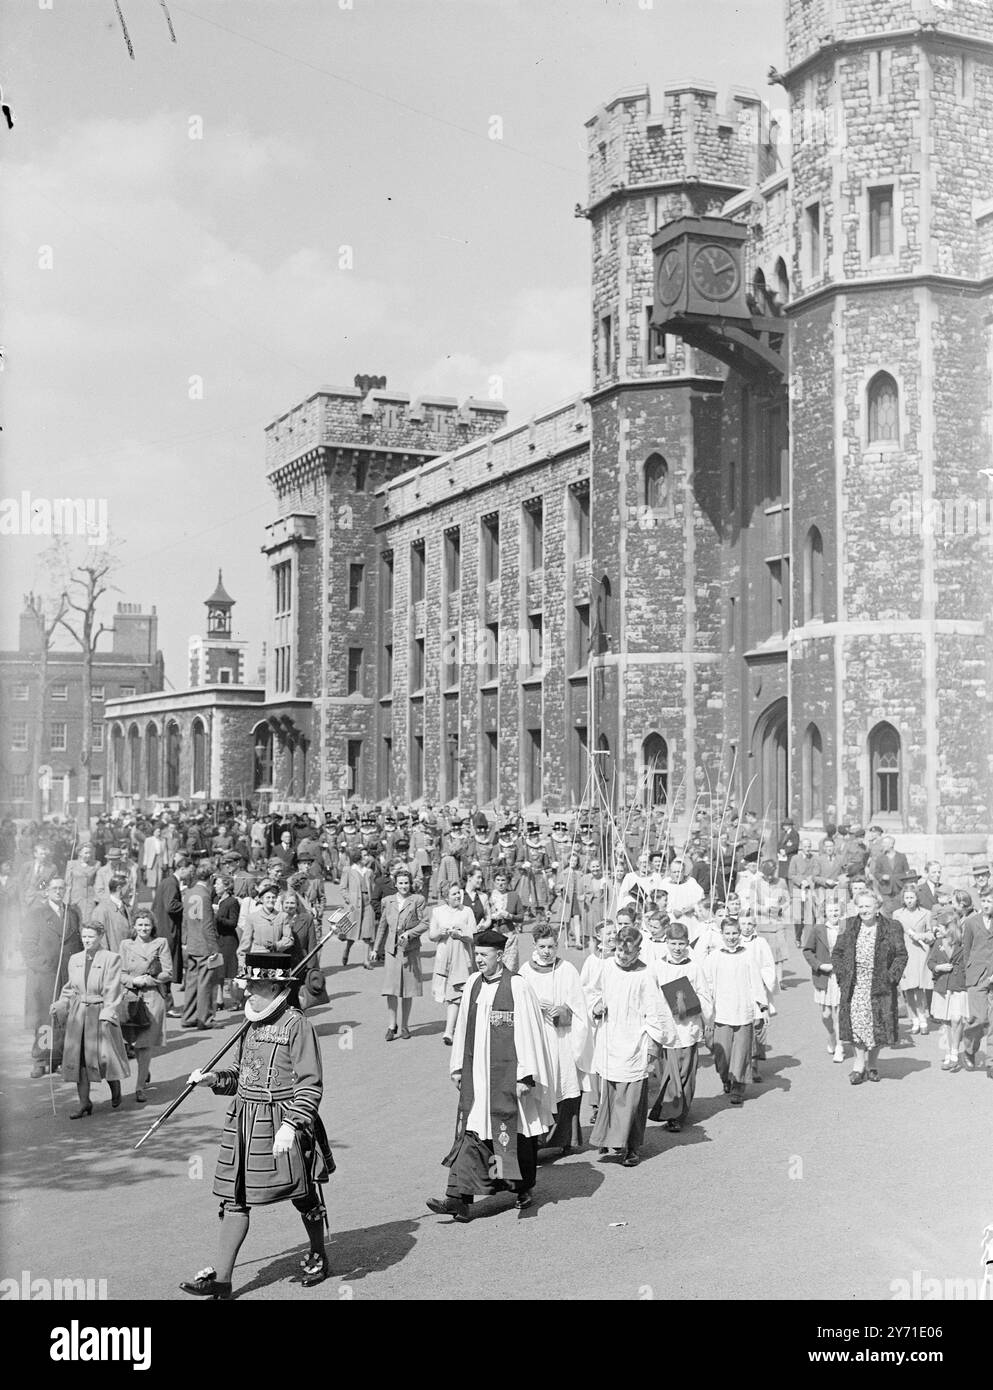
<point x="206" y="1285"/>
<point x="314" y="1269"/>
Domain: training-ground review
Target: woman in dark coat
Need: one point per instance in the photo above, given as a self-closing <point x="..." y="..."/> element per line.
<point x="869" y="959"/>
<point x="405" y="919"/>
<point x="300" y="920"/>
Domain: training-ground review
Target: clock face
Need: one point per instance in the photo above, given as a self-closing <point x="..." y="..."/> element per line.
<point x="670" y="277"/>
<point x="715" y="272"/>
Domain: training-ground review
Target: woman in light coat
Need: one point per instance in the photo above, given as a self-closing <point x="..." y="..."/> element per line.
<point x="146" y="974"/>
<point x="90" y="1004"/>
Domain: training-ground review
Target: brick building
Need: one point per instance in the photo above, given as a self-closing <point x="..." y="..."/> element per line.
<point x="44" y="728"/>
<point x="757" y="551"/>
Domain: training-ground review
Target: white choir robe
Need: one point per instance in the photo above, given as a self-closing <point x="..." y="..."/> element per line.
<point x="680" y="1032"/>
<point x="571" y="1049"/>
<point x="635" y="1018"/>
<point x="759" y="948"/>
<point x="537" y="1106"/>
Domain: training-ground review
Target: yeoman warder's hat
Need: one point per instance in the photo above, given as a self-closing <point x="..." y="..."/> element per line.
<point x="272" y="966"/>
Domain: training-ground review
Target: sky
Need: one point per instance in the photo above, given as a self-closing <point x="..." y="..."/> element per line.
<point x="171" y="229"/>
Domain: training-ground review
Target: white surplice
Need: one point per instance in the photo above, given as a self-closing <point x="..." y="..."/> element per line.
<point x="537" y="1106"/>
<point x="635" y="1018"/>
<point x="570" y="1048"/>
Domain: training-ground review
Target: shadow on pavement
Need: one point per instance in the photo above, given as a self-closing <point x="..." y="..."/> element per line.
<point x="352" y="1254"/>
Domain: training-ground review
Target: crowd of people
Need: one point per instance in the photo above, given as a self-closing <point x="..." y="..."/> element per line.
<point x="685" y="944"/>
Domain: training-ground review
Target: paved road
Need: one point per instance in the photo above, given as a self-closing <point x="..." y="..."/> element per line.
<point x="814" y="1189"/>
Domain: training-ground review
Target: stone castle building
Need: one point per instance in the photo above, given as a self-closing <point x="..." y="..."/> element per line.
<point x="757" y="551"/>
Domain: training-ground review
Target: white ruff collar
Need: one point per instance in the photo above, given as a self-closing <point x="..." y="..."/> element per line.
<point x="258" y="1016"/>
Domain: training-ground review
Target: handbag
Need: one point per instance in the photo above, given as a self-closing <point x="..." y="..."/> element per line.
<point x="134" y="1013"/>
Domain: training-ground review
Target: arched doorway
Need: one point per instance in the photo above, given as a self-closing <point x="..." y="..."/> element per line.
<point x="152" y="760"/>
<point x="771" y="765"/>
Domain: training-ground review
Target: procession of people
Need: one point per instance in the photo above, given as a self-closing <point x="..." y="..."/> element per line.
<point x="678" y="944"/>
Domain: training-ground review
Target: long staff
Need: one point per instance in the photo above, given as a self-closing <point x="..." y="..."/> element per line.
<point x="342" y="923"/>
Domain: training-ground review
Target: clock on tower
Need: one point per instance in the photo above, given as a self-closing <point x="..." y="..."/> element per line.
<point x="699" y="270"/>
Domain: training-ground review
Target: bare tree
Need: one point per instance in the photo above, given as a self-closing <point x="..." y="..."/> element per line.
<point x="85" y="578"/>
<point x="48" y="615"/>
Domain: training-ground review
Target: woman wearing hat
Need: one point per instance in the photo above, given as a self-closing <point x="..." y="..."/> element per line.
<point x="266" y="928"/>
<point x="146" y="973"/>
<point x="405" y="922"/>
<point x="90" y="1007"/>
<point x="274" y="1148"/>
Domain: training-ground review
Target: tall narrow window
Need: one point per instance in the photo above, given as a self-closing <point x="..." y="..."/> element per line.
<point x="134" y="760"/>
<point x="262" y="760"/>
<point x="580" y="635"/>
<point x="880" y="222"/>
<point x="535" y="655"/>
<point x="490" y="546"/>
<point x="281" y="585"/>
<point x="59" y="736"/>
<point x="534" y="536"/>
<point x="417" y="572"/>
<point x="491" y="654"/>
<point x="453" y="560"/>
<point x="386" y="575"/>
<point x="814" y="239"/>
<point x="356" y="586"/>
<point x="884" y="770"/>
<point x="813" y="576"/>
<point x="417" y="664"/>
<point x="353" y="756"/>
<point x="813" y="774"/>
<point x="151" y="761"/>
<point x="656" y="483"/>
<point x="199" y="757"/>
<point x="354" y="671"/>
<point x="581" y="514"/>
<point x="655" y="770"/>
<point x="172" y="761"/>
<point x="387" y="690"/>
<point x="775" y="598"/>
<point x="416" y="766"/>
<point x="532" y="766"/>
<point x="490" y="765"/>
<point x="607" y="344"/>
<point x="883" y="409"/>
<point x="655" y="344"/>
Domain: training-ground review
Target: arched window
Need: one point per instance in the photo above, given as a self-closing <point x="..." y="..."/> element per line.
<point x="884" y="770"/>
<point x="172" y="759"/>
<point x="151" y="761"/>
<point x="655" y="765"/>
<point x="813" y="576"/>
<point x="199" y="736"/>
<point x="134" y="760"/>
<point x="782" y="285"/>
<point x="813" y="774"/>
<point x="117" y="755"/>
<point x="656" y="483"/>
<point x="262" y="747"/>
<point x="760" y="292"/>
<point x="883" y="406"/>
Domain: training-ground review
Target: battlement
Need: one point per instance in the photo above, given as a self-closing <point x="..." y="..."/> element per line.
<point x="555" y="432"/>
<point x="379" y="419"/>
<point x="813" y="26"/>
<point x="632" y="146"/>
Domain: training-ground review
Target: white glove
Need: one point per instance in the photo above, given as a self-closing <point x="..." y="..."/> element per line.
<point x="285" y="1135"/>
<point x="201" y="1078"/>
